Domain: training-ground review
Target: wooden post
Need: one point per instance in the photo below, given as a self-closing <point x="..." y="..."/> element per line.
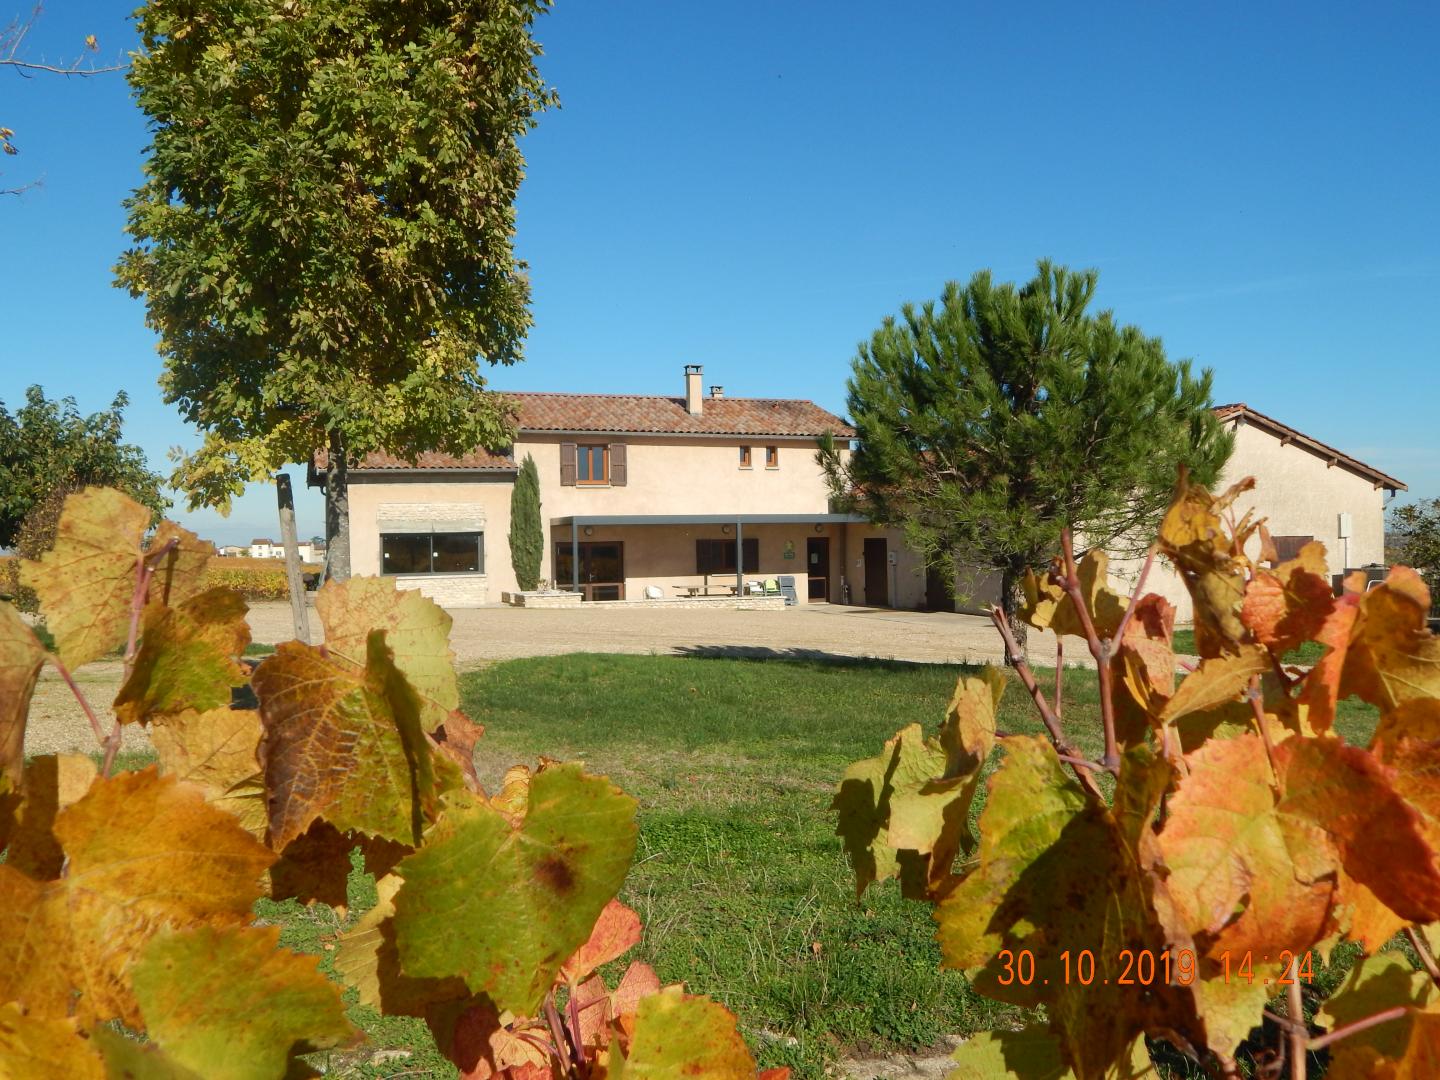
<point x="292" y="557"/>
<point x="739" y="559"/>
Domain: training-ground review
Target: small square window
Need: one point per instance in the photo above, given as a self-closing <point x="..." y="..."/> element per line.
<point x="744" y="457"/>
<point x="772" y="457"/>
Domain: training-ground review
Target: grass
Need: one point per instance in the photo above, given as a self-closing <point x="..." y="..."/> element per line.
<point x="1306" y="653"/>
<point x="745" y="893"/>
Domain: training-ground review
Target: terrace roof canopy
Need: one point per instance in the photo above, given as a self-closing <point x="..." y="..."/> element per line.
<point x="579" y="521"/>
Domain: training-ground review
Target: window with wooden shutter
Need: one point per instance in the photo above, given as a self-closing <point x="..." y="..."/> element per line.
<point x="567" y="464"/>
<point x="618" y="472"/>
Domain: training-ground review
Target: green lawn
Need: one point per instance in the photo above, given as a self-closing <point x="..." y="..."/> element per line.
<point x="744" y="890"/>
<point x="1308" y="652"/>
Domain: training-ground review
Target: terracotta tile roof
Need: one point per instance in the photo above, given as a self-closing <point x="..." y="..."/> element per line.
<point x="1287" y="434"/>
<point x="629" y="414"/>
<point x="475" y="461"/>
<point x="654" y="414"/>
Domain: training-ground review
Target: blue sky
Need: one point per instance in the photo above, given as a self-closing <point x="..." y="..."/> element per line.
<point x="754" y="186"/>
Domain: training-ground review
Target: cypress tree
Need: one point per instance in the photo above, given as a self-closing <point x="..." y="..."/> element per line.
<point x="527" y="535"/>
<point x="989" y="422"/>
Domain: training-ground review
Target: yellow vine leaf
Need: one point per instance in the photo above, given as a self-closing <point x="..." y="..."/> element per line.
<point x="1049" y="607"/>
<point x="1032" y="1053"/>
<point x="188" y="657"/>
<point x="342" y="745"/>
<point x="181" y="574"/>
<point x="677" y="1035"/>
<point x="21" y="657"/>
<point x="86" y="582"/>
<point x="216" y="751"/>
<point x="905" y="813"/>
<point x="143" y="852"/>
<point x="52" y="782"/>
<point x="1217" y="682"/>
<point x="416" y="628"/>
<point x="316" y="865"/>
<point x="1210" y="557"/>
<point x="1407" y="1048"/>
<point x="41" y="1048"/>
<point x="507" y="931"/>
<point x="230" y="1004"/>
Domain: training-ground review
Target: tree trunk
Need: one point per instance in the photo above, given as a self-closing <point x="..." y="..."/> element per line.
<point x="298" y="611"/>
<point x="337" y="512"/>
<point x="1010" y="579"/>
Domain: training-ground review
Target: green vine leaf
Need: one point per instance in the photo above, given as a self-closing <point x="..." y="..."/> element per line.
<point x="417" y="630"/>
<point x="230" y="1004"/>
<point x="342" y="745"/>
<point x="547" y="877"/>
<point x="188" y="659"/>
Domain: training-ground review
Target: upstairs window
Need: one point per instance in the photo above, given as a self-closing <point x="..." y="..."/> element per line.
<point x="744" y="457"/>
<point x="772" y="457"/>
<point x="592" y="464"/>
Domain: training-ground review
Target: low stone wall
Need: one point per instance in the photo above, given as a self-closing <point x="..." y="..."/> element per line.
<point x="733" y="603"/>
<point x="449" y="590"/>
<point x="541" y="600"/>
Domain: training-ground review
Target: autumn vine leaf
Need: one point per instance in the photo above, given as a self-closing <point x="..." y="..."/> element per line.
<point x="1211" y="558"/>
<point x="143" y="852"/>
<point x="905" y="813"/>
<point x="417" y="630"/>
<point x="615" y="933"/>
<point x="1049" y="607"/>
<point x="180" y="572"/>
<point x="548" y="877"/>
<point x="230" y="1004"/>
<point x="188" y="657"/>
<point x="216" y="751"/>
<point x="342" y="745"/>
<point x="1405" y="1048"/>
<point x="1288" y="605"/>
<point x="86" y="581"/>
<point x="677" y="1035"/>
<point x="42" y="1048"/>
<point x="52" y="782"/>
<point x="21" y="657"/>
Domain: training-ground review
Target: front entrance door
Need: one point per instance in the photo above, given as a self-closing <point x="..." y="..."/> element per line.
<point x="602" y="569"/>
<point x="877" y="573"/>
<point x="817" y="565"/>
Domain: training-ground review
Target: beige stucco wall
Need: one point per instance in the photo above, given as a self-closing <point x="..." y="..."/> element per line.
<point x="1298" y="493"/>
<point x="664" y="476"/>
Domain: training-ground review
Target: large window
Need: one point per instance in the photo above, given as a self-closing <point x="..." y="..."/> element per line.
<point x="432" y="553"/>
<point x="718" y="556"/>
<point x="592" y="464"/>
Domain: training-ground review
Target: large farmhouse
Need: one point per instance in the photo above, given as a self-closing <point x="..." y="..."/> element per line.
<point x="647" y="495"/>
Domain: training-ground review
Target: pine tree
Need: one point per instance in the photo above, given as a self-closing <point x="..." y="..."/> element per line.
<point x="990" y="421"/>
<point x="527" y="535"/>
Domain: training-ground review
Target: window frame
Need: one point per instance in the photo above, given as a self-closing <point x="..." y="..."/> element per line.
<point x="747" y="457"/>
<point x="772" y="457"/>
<point x="479" y="536"/>
<point x="583" y="452"/>
<point x="708" y="564"/>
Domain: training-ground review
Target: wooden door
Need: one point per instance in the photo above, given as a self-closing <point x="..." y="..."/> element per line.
<point x="817" y="565"/>
<point x="877" y="573"/>
<point x="602" y="569"/>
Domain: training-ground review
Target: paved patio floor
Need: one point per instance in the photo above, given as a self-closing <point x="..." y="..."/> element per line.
<point x="484" y="635"/>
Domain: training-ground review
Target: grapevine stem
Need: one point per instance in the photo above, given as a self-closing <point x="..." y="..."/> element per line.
<point x="1059" y="672"/>
<point x="1099" y="649"/>
<point x="1322" y="1041"/>
<point x="1426" y="960"/>
<point x="1262" y="722"/>
<point x="1299" y="1036"/>
<point x="569" y="1056"/>
<point x="1135" y="595"/>
<point x="1047" y="715"/>
<point x="84" y="704"/>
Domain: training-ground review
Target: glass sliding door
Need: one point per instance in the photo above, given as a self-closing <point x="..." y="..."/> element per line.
<point x="602" y="569"/>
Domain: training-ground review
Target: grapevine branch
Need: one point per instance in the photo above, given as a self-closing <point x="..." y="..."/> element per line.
<point x="1426" y="960"/>
<point x="1299" y="1036"/>
<point x="1047" y="715"/>
<point x="1099" y="649"/>
<point x="84" y="704"/>
<point x="1382" y="1017"/>
<point x="144" y="570"/>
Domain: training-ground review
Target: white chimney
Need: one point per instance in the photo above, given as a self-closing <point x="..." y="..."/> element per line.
<point x="716" y="393"/>
<point x="694" y="403"/>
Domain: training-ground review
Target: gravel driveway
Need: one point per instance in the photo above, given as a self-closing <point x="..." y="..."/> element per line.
<point x="485" y="635"/>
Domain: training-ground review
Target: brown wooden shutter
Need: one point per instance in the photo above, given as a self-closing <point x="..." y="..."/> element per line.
<point x="618" y="472"/>
<point x="1288" y="547"/>
<point x="567" y="464"/>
